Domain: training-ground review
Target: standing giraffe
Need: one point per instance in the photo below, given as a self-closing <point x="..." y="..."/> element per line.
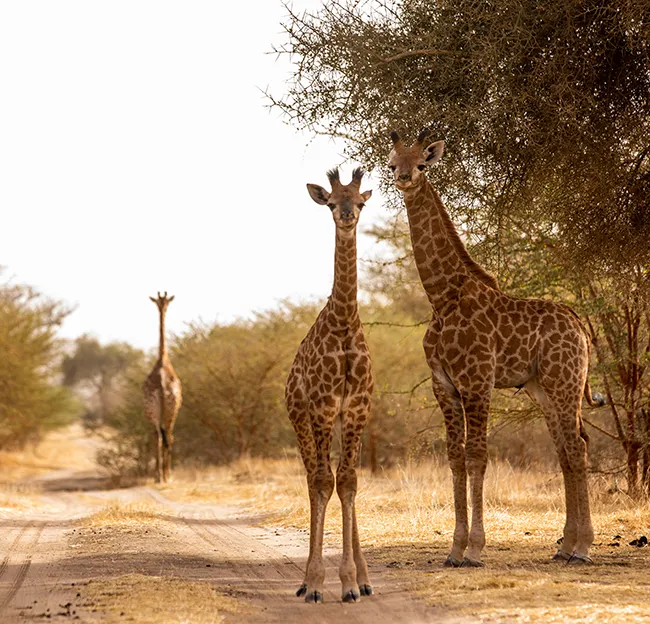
<point x="331" y="376"/>
<point x="480" y="338"/>
<point x="162" y="397"/>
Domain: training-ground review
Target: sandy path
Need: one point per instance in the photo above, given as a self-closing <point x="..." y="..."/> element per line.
<point x="48" y="557"/>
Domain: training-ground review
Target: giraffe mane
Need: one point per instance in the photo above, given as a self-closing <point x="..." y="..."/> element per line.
<point x="474" y="268"/>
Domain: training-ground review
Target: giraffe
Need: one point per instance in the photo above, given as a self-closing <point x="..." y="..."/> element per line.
<point x="162" y="397"/>
<point x="478" y="339"/>
<point x="330" y="377"/>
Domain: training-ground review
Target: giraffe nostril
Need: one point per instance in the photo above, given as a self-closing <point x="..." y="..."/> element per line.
<point x="405" y="176"/>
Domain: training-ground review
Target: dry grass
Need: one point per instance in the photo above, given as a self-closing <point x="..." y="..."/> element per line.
<point x="117" y="514"/>
<point x="68" y="449"/>
<point x="158" y="600"/>
<point x="406" y="520"/>
<point x="65" y="449"/>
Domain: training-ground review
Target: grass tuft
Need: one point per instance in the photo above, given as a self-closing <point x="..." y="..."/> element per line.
<point x="158" y="600"/>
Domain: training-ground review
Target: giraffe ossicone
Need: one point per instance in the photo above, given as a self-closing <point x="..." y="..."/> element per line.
<point x="479" y="338"/>
<point x="331" y="377"/>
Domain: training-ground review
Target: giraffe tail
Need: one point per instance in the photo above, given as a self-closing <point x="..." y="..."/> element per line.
<point x="595" y="399"/>
<point x="165" y="441"/>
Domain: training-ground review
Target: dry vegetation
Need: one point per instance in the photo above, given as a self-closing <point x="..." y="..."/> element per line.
<point x="65" y="449"/>
<point x="146" y="599"/>
<point x="117" y="514"/>
<point x="406" y="518"/>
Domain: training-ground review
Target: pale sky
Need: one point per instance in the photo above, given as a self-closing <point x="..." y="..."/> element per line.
<point x="137" y="154"/>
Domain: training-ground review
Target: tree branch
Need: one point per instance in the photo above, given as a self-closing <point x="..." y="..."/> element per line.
<point x="607" y="433"/>
<point x="423" y="52"/>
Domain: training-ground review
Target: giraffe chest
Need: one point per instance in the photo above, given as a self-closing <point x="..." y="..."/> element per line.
<point x="337" y="366"/>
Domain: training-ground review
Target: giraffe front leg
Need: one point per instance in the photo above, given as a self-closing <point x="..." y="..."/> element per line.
<point x="452" y="410"/>
<point x="321" y="486"/>
<point x="476" y="413"/>
<point x="363" y="577"/>
<point x="167" y="454"/>
<point x="159" y="456"/>
<point x="300" y="420"/>
<point x="353" y="571"/>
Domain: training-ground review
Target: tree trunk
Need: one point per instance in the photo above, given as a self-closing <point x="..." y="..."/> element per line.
<point x="372" y="447"/>
<point x="645" y="470"/>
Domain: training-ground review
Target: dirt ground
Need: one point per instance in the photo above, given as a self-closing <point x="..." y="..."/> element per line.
<point x="86" y="552"/>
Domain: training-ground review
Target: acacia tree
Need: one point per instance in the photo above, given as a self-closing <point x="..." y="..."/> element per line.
<point x="545" y="107"/>
<point x="99" y="369"/>
<point x="31" y="399"/>
<point x="619" y="319"/>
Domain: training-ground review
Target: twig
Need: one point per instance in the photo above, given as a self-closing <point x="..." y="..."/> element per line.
<point x="424" y="52"/>
<point x="607" y="433"/>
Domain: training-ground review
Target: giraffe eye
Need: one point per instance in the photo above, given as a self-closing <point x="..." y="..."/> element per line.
<point x="392" y="167"/>
<point x="331" y="206"/>
<point x="361" y="206"/>
<point x="422" y="167"/>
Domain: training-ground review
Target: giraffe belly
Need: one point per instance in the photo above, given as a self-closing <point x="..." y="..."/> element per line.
<point x="513" y="374"/>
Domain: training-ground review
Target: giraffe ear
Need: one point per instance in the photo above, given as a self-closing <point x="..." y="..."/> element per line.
<point x="366" y="195"/>
<point x="433" y="153"/>
<point x="171" y="299"/>
<point x="154" y="300"/>
<point x="318" y="194"/>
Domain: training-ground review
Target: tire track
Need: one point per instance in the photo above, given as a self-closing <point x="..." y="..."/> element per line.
<point x="12" y="547"/>
<point x="268" y="577"/>
<point x="258" y="567"/>
<point x="25" y="542"/>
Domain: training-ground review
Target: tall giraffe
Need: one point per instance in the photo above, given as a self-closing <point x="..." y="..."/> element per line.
<point x="331" y="376"/>
<point x="162" y="397"/>
<point x="480" y="338"/>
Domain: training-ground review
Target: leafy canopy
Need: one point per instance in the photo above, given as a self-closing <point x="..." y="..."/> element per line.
<point x="545" y="107"/>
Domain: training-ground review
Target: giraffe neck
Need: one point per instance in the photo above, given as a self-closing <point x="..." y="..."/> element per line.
<point x="343" y="300"/>
<point x="162" y="342"/>
<point x="440" y="255"/>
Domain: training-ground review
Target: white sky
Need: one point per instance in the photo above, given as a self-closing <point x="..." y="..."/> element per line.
<point x="137" y="154"/>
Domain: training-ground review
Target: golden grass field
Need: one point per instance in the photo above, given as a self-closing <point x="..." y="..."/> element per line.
<point x="406" y="523"/>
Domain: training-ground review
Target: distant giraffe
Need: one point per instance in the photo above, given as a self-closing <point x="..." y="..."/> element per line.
<point x="162" y="397"/>
<point x="331" y="376"/>
<point x="480" y="338"/>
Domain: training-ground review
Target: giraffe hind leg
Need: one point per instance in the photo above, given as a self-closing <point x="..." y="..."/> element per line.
<point x="567" y="435"/>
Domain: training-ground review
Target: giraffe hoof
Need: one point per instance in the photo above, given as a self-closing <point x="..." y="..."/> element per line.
<point x="560" y="555"/>
<point x="471" y="563"/>
<point x="577" y="559"/>
<point x="351" y="596"/>
<point x="302" y="590"/>
<point x="452" y="562"/>
<point x="314" y="597"/>
<point x="365" y="590"/>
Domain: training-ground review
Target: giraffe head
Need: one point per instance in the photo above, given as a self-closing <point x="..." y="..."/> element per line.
<point x="162" y="301"/>
<point x="409" y="163"/>
<point x="345" y="202"/>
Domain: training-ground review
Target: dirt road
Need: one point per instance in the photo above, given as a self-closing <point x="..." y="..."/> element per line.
<point x="51" y="559"/>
